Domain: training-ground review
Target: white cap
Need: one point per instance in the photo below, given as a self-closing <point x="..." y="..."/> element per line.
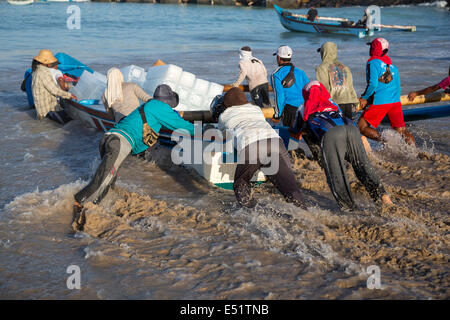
<point x="284" y="52"/>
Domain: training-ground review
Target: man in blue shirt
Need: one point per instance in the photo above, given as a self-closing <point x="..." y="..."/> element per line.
<point x="127" y="137"/>
<point x="287" y="82"/>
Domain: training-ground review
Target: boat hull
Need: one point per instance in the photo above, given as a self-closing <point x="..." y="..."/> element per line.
<point x="20" y="3"/>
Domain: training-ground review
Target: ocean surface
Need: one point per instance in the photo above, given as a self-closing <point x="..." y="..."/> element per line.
<point x="164" y="232"/>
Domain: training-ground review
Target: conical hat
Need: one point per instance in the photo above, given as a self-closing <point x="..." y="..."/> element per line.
<point x="45" y="56"/>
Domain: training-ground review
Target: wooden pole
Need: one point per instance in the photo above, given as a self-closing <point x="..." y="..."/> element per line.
<point x="405" y="28"/>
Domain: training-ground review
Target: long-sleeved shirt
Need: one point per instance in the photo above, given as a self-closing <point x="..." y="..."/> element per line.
<point x="292" y="95"/>
<point x="254" y="70"/>
<point x="132" y="93"/>
<point x="46" y="92"/>
<point x="158" y="114"/>
<point x="383" y="93"/>
<point x="335" y="76"/>
<point x="247" y="124"/>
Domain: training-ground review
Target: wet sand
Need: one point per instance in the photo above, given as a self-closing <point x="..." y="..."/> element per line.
<point x="277" y="251"/>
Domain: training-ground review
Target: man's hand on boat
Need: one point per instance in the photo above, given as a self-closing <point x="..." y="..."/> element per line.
<point x="362" y="103"/>
<point x="74" y="97"/>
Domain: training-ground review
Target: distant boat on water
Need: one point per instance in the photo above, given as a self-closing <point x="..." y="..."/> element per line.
<point x="300" y="23"/>
<point x="20" y="2"/>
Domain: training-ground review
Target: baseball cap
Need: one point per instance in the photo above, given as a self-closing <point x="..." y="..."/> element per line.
<point x="284" y="52"/>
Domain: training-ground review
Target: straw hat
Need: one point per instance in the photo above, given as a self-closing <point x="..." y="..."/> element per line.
<point x="45" y="56"/>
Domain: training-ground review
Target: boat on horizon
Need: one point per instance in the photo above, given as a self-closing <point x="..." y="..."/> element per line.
<point x="20" y="2"/>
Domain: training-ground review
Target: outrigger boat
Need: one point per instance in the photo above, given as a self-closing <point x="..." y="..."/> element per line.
<point x="300" y="23"/>
<point x="220" y="170"/>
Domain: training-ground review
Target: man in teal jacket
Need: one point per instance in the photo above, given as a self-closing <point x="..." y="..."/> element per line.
<point x="126" y="137"/>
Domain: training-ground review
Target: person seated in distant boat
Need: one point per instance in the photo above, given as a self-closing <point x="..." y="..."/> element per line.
<point x="46" y="91"/>
<point x="335" y="139"/>
<point x="312" y="14"/>
<point x="122" y="97"/>
<point x="444" y="85"/>
<point x="133" y="134"/>
<point x="254" y="70"/>
<point x="258" y="147"/>
<point x="365" y="19"/>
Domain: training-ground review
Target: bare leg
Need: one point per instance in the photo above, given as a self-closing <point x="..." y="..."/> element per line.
<point x="406" y="135"/>
<point x="367" y="131"/>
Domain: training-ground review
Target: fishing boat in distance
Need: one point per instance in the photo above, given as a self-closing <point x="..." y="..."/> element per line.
<point x="20" y="2"/>
<point x="300" y="23"/>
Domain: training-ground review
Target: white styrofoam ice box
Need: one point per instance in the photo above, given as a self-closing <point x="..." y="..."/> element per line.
<point x="90" y="86"/>
<point x="134" y="74"/>
<point x="198" y="94"/>
<point x="167" y="74"/>
<point x="185" y="85"/>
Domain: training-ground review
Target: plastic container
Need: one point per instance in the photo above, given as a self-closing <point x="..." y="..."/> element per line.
<point x="90" y="86"/>
<point x="198" y="94"/>
<point x="134" y="74"/>
<point x="184" y="86"/>
<point x="167" y="74"/>
<point x="214" y="89"/>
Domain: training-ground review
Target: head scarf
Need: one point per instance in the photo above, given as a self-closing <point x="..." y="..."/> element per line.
<point x="317" y="99"/>
<point x="377" y="47"/>
<point x="113" y="92"/>
<point x="245" y="54"/>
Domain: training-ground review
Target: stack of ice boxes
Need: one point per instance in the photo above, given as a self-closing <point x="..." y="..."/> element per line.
<point x="90" y="86"/>
<point x="134" y="74"/>
<point x="195" y="94"/>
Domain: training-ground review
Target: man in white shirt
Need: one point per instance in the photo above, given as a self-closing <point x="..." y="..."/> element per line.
<point x="259" y="147"/>
<point x="254" y="70"/>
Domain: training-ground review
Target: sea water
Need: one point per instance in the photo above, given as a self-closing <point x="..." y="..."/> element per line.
<point x="165" y="233"/>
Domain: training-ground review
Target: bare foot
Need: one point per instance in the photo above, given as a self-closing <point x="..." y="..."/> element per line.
<point x="386" y="199"/>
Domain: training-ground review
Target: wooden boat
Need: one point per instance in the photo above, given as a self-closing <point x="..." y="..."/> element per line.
<point x="298" y="22"/>
<point x="20" y="2"/>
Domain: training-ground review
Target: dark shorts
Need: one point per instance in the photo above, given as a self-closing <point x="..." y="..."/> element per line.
<point x="260" y="95"/>
<point x="288" y="116"/>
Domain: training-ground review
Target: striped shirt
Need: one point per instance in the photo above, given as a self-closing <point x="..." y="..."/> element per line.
<point x="46" y="92"/>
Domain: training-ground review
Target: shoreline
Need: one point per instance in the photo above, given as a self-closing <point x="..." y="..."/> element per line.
<point x="286" y="4"/>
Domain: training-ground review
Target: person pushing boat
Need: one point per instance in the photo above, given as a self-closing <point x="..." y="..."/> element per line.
<point x="287" y="82"/>
<point x="133" y="134"/>
<point x="122" y="97"/>
<point x="382" y="94"/>
<point x="45" y="89"/>
<point x="322" y="124"/>
<point x="254" y="70"/>
<point x="444" y="85"/>
<point x="258" y="146"/>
